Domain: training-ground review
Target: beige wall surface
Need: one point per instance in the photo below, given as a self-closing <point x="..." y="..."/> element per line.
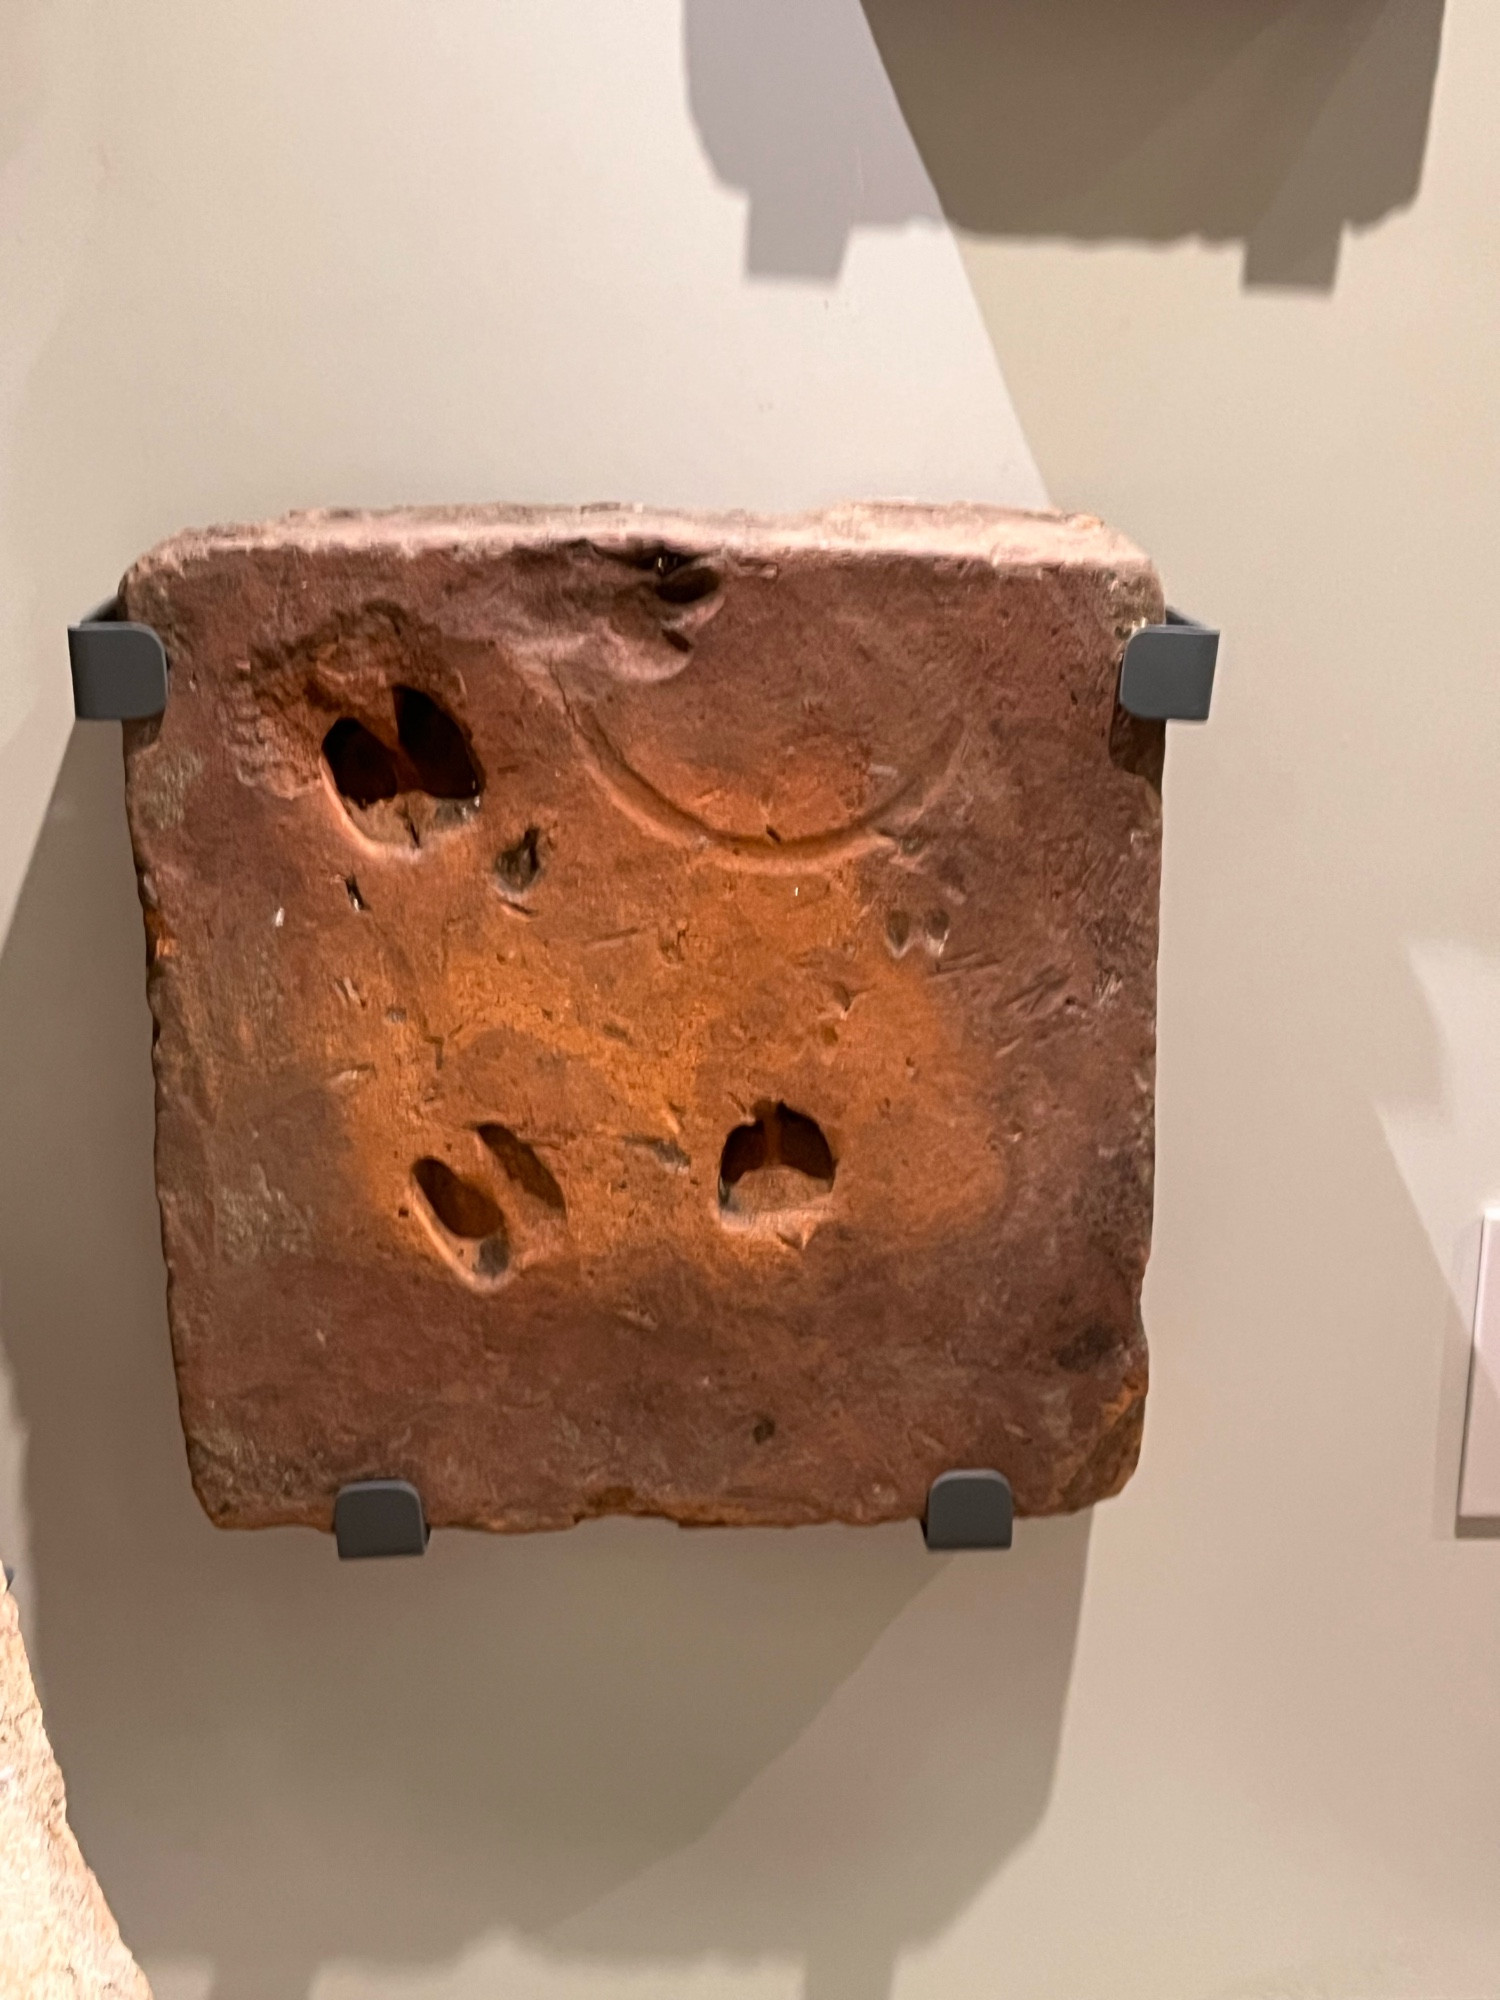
<point x="1235" y="1737"/>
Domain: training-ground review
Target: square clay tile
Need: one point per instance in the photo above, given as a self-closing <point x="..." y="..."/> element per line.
<point x="654" y="1013"/>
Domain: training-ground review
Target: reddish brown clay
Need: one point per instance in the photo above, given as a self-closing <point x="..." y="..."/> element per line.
<point x="655" y="1013"/>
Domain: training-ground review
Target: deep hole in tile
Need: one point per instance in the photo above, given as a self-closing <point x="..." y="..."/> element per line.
<point x="435" y="746"/>
<point x="783" y="1146"/>
<point x="688" y="585"/>
<point x="463" y="1209"/>
<point x="361" y="766"/>
<point x="426" y="782"/>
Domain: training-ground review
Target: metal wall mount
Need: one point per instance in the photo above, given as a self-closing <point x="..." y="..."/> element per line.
<point x="379" y="1517"/>
<point x="969" y="1510"/>
<point x="1167" y="674"/>
<point x="119" y="668"/>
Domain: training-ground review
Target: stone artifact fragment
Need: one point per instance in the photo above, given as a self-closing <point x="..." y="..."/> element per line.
<point x="655" y="1014"/>
<point x="58" y="1940"/>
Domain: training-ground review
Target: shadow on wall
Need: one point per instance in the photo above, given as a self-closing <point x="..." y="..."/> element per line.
<point x="1273" y="123"/>
<point x="622" y="1741"/>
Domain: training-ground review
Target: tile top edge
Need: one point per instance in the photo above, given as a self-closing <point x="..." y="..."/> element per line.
<point x="996" y="535"/>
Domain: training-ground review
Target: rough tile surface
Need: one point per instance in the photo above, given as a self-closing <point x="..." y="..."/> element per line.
<point x="58" y="1940"/>
<point x="655" y="1013"/>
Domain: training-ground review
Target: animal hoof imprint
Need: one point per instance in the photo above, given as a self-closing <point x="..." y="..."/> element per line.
<point x="776" y="1174"/>
<point x="499" y="1211"/>
<point x="427" y="782"/>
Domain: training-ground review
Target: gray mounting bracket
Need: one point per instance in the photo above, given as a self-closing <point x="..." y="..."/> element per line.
<point x="119" y="668"/>
<point x="379" y="1517"/>
<point x="969" y="1510"/>
<point x="1167" y="674"/>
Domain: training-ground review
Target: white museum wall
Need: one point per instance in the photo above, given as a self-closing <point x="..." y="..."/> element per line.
<point x="1238" y="1733"/>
